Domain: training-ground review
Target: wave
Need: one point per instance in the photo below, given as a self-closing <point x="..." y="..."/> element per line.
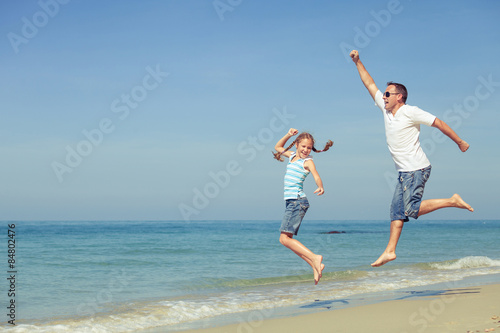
<point x="166" y="314"/>
<point x="463" y="263"/>
<point x="264" y="295"/>
<point x="469" y="262"/>
<point x="279" y="280"/>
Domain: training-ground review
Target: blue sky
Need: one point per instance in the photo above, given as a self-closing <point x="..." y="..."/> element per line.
<point x="169" y="110"/>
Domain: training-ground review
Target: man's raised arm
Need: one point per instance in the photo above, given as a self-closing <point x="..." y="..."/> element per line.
<point x="363" y="74"/>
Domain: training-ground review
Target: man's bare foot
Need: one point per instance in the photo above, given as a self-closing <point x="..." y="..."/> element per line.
<point x="460" y="203"/>
<point x="384" y="259"/>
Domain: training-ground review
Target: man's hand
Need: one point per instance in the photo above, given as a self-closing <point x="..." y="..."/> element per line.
<point x="354" y="56"/>
<point x="463" y="146"/>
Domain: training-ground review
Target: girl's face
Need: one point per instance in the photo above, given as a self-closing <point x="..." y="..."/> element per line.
<point x="304" y="148"/>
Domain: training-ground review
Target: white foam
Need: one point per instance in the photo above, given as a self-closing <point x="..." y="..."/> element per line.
<point x="467" y="262"/>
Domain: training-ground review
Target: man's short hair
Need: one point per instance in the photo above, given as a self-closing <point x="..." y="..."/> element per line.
<point x="400" y="89"/>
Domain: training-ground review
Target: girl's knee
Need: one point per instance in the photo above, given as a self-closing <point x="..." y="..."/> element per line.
<point x="284" y="238"/>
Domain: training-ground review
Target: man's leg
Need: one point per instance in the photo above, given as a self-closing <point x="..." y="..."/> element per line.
<point x="431" y="205"/>
<point x="390" y="251"/>
<point x="397" y="221"/>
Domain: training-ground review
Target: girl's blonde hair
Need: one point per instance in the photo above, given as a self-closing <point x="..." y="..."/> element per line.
<point x="300" y="137"/>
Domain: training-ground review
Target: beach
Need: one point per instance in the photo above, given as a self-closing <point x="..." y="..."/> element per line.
<point x="468" y="309"/>
<point x="171" y="276"/>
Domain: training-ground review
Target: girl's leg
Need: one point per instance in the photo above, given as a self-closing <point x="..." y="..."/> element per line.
<point x="314" y="260"/>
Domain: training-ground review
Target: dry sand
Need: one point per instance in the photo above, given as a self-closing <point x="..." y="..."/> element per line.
<point x="471" y="309"/>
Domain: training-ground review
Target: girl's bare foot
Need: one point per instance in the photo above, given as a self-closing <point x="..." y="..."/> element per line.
<point x="317" y="275"/>
<point x="318" y="267"/>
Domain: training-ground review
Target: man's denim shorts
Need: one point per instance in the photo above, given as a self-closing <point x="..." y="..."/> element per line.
<point x="408" y="194"/>
<point x="294" y="213"/>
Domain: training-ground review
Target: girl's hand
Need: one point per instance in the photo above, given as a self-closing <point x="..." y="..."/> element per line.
<point x="320" y="191"/>
<point x="292" y="131"/>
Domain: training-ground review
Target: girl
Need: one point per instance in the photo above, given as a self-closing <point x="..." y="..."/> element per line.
<point x="299" y="166"/>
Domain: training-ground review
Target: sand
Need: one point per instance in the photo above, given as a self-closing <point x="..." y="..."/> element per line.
<point x="468" y="309"/>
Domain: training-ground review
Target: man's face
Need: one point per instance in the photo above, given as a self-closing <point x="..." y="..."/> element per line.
<point x="394" y="98"/>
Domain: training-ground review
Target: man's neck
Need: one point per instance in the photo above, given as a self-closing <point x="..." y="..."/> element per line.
<point x="396" y="108"/>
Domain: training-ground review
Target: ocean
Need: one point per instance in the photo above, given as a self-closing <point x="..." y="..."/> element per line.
<point x="157" y="276"/>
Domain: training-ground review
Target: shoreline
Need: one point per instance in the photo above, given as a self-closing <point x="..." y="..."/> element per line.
<point x="455" y="306"/>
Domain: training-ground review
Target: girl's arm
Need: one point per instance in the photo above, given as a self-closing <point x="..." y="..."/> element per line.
<point x="281" y="143"/>
<point x="309" y="165"/>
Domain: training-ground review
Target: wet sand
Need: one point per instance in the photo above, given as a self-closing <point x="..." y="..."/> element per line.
<point x="468" y="309"/>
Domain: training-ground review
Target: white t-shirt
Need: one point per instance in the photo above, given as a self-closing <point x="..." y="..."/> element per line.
<point x="402" y="133"/>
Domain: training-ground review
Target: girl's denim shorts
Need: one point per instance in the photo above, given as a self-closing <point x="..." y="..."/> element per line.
<point x="294" y="213"/>
<point x="408" y="194"/>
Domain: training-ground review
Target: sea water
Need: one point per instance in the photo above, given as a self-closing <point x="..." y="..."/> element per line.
<point x="129" y="276"/>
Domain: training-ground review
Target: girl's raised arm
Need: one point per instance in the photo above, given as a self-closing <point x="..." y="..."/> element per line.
<point x="281" y="142"/>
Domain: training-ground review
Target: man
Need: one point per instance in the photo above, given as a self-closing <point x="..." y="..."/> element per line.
<point x="402" y="129"/>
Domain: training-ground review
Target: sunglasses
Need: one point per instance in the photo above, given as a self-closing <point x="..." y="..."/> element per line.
<point x="388" y="94"/>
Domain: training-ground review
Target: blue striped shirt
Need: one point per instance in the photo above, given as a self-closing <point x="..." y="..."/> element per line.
<point x="294" y="178"/>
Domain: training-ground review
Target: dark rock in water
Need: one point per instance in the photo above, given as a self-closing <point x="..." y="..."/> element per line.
<point x="335" y="232"/>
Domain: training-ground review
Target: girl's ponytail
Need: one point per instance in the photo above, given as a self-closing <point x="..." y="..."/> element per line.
<point x="277" y="155"/>
<point x="303" y="135"/>
<point x="327" y="146"/>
